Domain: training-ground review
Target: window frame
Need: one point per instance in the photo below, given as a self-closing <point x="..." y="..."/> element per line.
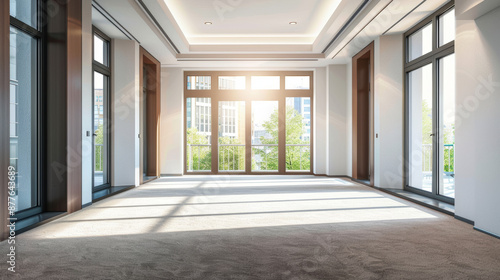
<point x="248" y="94"/>
<point x="39" y="35"/>
<point x="106" y="71"/>
<point x="431" y="58"/>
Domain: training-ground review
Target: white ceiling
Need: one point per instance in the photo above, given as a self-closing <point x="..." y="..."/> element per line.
<point x="251" y="22"/>
<point x="257" y="32"/>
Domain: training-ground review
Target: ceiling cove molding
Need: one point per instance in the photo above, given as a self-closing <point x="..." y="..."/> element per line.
<point x="113" y="21"/>
<point x="347" y="24"/>
<point x="247" y="57"/>
<point x="145" y="9"/>
<point x="358" y="31"/>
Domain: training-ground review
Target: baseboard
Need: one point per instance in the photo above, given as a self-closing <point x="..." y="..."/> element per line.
<point x="86" y="205"/>
<point x="464" y="220"/>
<point x="171" y="175"/>
<point x="487" y="232"/>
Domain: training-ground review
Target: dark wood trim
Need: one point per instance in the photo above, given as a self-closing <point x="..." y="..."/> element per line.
<point x="153" y="114"/>
<point x="365" y="56"/>
<point x="64" y="98"/>
<point x="74" y="87"/>
<point x="4" y="114"/>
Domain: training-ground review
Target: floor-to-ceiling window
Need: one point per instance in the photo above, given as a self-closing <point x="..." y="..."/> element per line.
<point x="248" y="122"/>
<point x="101" y="107"/>
<point x="25" y="105"/>
<point x="430" y="106"/>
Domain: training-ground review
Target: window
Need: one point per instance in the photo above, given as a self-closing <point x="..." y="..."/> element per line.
<point x="249" y="128"/>
<point x="25" y="105"/>
<point x="430" y="106"/>
<point x="102" y="120"/>
<point x="265" y="82"/>
<point x="232" y="82"/>
<point x="297" y="82"/>
<point x="199" y="82"/>
<point x="420" y="42"/>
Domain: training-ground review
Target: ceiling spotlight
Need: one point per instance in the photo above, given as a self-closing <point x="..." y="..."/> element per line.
<point x="208" y="23"/>
<point x="293" y="23"/>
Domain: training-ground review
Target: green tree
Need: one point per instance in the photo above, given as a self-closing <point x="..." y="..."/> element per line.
<point x="98" y="150"/>
<point x="231" y="158"/>
<point x="199" y="158"/>
<point x="448" y="139"/>
<point x="297" y="157"/>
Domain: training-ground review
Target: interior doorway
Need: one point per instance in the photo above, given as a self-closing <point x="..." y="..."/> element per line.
<point x="150" y="107"/>
<point x="363" y="127"/>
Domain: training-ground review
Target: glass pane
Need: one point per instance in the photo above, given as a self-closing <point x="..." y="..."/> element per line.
<point x="265" y="135"/>
<point x="447" y="27"/>
<point x="25" y="11"/>
<point x="298" y="134"/>
<point x="232" y="136"/>
<point x="420" y="114"/>
<point x="265" y="82"/>
<point x="99" y="50"/>
<point x="199" y="82"/>
<point x="297" y="82"/>
<point x="420" y="42"/>
<point x="101" y="137"/>
<point x="23" y="117"/>
<point x="232" y="82"/>
<point x="447" y="138"/>
<point x="199" y="133"/>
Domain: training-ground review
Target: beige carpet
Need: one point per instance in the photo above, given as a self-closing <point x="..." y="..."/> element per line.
<point x="250" y="227"/>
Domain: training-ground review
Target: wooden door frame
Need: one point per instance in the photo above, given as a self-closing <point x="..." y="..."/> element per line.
<point x="368" y="50"/>
<point x="249" y="95"/>
<point x="153" y="113"/>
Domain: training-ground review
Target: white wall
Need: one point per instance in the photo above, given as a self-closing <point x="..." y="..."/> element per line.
<point x="125" y="113"/>
<point x="86" y="101"/>
<point x="349" y="118"/>
<point x="477" y="135"/>
<point x="172" y="121"/>
<point x="389" y="111"/>
<point x="320" y="121"/>
<point x="337" y="120"/>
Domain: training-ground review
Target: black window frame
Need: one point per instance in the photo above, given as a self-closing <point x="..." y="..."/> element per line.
<point x="104" y="69"/>
<point x="39" y="35"/>
<point x="431" y="58"/>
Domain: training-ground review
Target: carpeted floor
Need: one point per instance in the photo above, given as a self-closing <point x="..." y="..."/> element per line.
<point x="250" y="227"/>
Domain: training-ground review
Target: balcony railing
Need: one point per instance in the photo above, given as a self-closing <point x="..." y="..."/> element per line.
<point x="265" y="157"/>
<point x="231" y="157"/>
<point x="98" y="158"/>
<point x="199" y="157"/>
<point x="448" y="157"/>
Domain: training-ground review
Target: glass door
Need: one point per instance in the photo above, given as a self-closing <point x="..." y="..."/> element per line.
<point x="231" y="137"/>
<point x="421" y="122"/>
<point x="101" y="130"/>
<point x="265" y="133"/>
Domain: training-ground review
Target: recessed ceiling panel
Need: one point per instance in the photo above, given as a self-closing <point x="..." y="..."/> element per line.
<point x="266" y="22"/>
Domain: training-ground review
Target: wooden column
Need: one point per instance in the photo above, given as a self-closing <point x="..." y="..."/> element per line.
<point x="153" y="106"/>
<point x="4" y="115"/>
<point x="363" y="114"/>
<point x="64" y="108"/>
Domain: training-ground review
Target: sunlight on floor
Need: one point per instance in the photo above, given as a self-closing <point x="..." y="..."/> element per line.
<point x="215" y="203"/>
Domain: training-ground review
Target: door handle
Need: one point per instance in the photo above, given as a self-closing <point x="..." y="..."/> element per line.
<point x="432" y="135"/>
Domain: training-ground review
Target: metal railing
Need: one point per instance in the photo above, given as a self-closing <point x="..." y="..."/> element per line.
<point x="448" y="157"/>
<point x="235" y="155"/>
<point x="264" y="161"/>
<point x="201" y="155"/>
<point x="301" y="155"/>
<point x="98" y="157"/>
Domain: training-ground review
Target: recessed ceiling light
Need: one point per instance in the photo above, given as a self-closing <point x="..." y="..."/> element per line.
<point x="208" y="23"/>
<point x="293" y="23"/>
